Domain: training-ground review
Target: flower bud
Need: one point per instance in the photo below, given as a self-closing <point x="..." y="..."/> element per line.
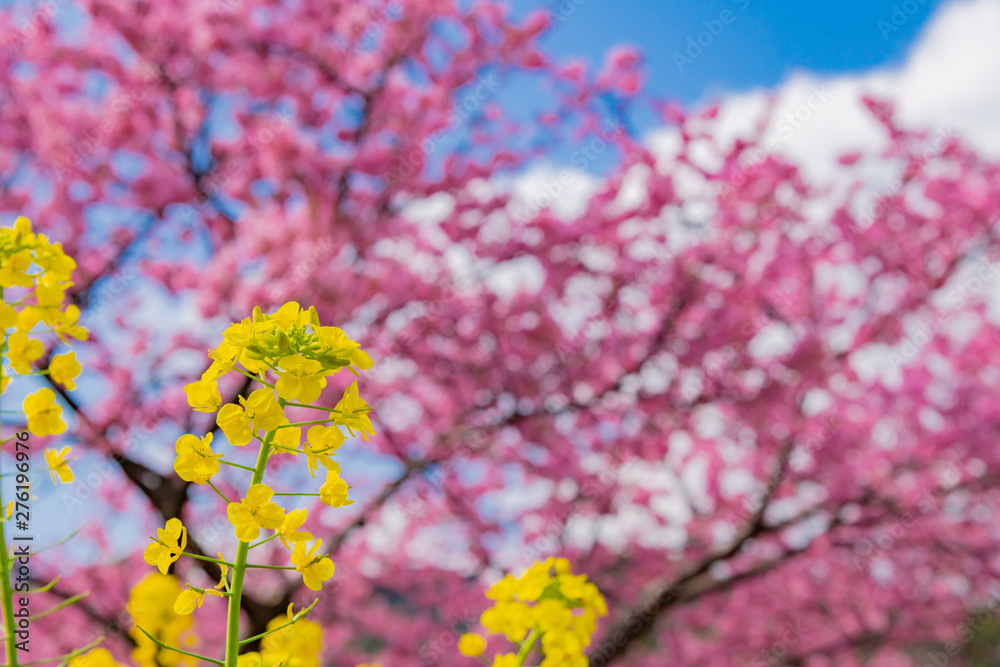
<point x="255" y="352"/>
<point x="282" y="341"/>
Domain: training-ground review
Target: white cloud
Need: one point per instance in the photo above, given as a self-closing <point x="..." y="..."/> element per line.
<point x="945" y="85"/>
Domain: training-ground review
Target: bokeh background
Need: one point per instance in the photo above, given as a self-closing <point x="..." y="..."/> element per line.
<point x="700" y="296"/>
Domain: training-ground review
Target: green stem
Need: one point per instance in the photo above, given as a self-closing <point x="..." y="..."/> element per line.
<point x="235" y="465"/>
<point x="265" y="540"/>
<point x="68" y="656"/>
<point x="253" y="377"/>
<point x="177" y="650"/>
<point x="210" y="560"/>
<point x="216" y="489"/>
<point x="318" y="421"/>
<point x="62" y="605"/>
<point x="8" y="599"/>
<point x="527" y="645"/>
<point x="280" y="627"/>
<point x="5" y="590"/>
<point x="240" y="565"/>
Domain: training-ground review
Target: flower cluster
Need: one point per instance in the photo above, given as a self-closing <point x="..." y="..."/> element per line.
<point x="291" y="356"/>
<point x="151" y="607"/>
<point x="548" y="603"/>
<point x="291" y="641"/>
<point x="37" y="273"/>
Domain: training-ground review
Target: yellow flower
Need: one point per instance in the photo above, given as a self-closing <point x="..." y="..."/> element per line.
<point x="259" y="411"/>
<point x="287" y="439"/>
<point x="51" y="258"/>
<point x="252" y="659"/>
<point x="290" y="315"/>
<point x="191" y="599"/>
<point x="352" y="412"/>
<point x="335" y="343"/>
<point x="315" y="569"/>
<point x="28" y="318"/>
<point x="50" y="290"/>
<point x="513" y="619"/>
<point x="297" y="645"/>
<point x="64" y="369"/>
<point x="225" y="357"/>
<point x="99" y="657"/>
<point x="22" y="350"/>
<point x="321" y="443"/>
<point x="505" y="660"/>
<point x="255" y="512"/>
<point x="8" y="316"/>
<point x="471" y="645"/>
<point x="167" y="546"/>
<point x="58" y="466"/>
<point x="195" y="460"/>
<point x="302" y="380"/>
<point x="289" y="531"/>
<point x="203" y="395"/>
<point x="14" y="270"/>
<point x="561" y="647"/>
<point x="151" y="606"/>
<point x="64" y="322"/>
<point x="534" y="581"/>
<point x="504" y="590"/>
<point x="225" y="571"/>
<point x="219" y="367"/>
<point x="552" y="616"/>
<point x="245" y="333"/>
<point x="334" y="490"/>
<point x="565" y="629"/>
<point x="44" y="416"/>
<point x="361" y="359"/>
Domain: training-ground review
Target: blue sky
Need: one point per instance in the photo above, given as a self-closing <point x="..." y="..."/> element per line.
<point x="763" y="43"/>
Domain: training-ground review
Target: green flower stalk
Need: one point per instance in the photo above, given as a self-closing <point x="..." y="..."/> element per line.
<point x="290" y="355"/>
<point x="36" y="272"/>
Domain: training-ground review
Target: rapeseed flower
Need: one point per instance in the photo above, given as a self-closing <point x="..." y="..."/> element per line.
<point x="255" y="512"/>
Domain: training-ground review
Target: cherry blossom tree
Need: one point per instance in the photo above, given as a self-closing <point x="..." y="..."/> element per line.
<point x="758" y="412"/>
